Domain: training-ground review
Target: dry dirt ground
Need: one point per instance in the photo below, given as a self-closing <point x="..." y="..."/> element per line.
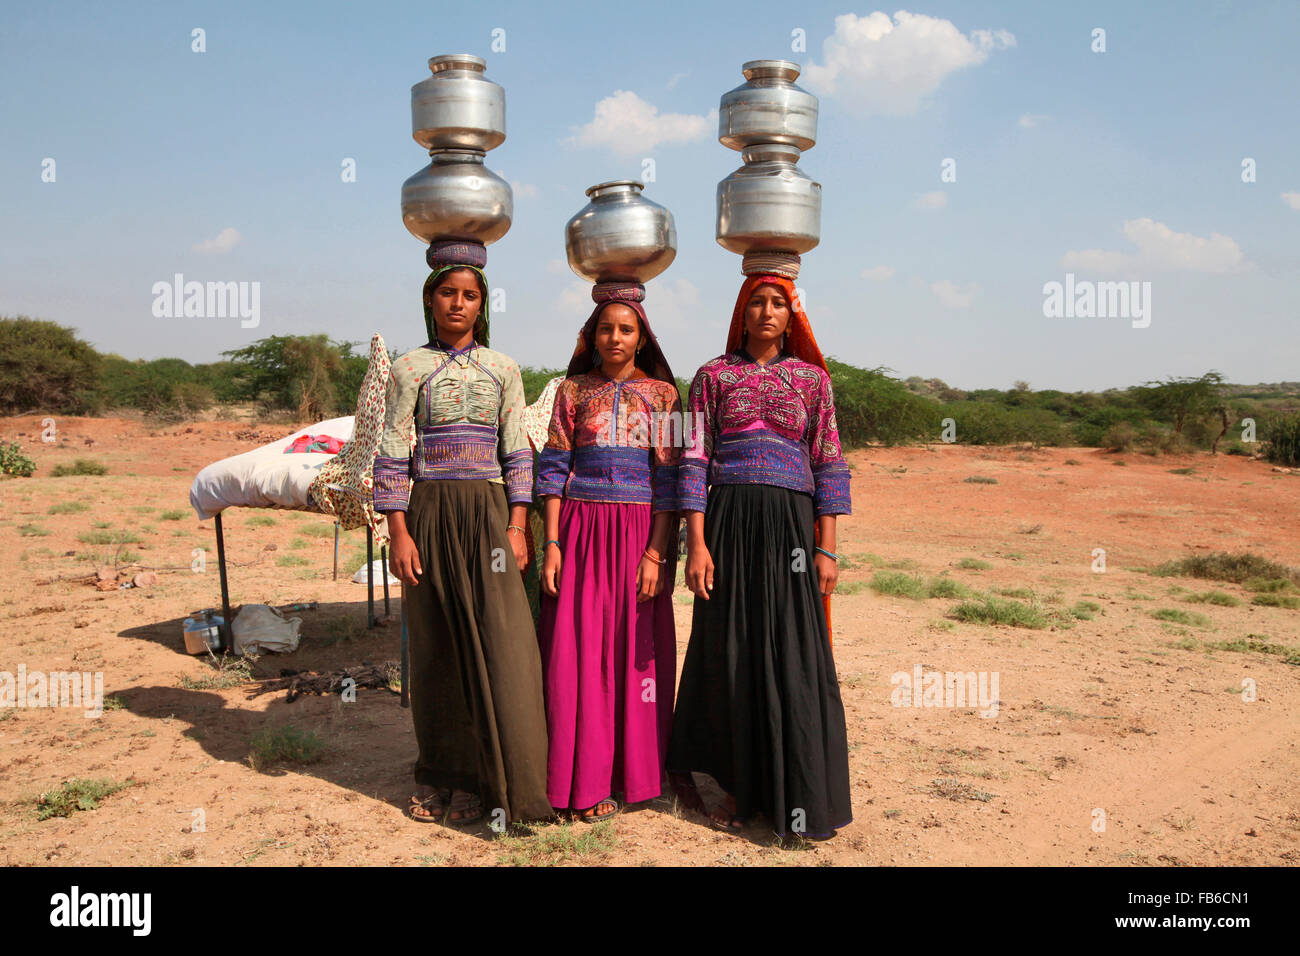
<point x="1120" y="740"/>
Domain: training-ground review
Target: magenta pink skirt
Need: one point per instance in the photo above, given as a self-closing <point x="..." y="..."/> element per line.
<point x="608" y="663"/>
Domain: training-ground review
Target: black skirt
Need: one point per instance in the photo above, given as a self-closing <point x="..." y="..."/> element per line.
<point x="758" y="707"/>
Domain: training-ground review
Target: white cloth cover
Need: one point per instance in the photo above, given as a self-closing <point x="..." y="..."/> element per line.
<point x="265" y="477"/>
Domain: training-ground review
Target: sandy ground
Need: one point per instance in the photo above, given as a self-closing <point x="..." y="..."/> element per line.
<point x="1111" y="743"/>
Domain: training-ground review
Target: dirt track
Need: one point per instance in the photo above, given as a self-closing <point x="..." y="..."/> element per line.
<point x="1108" y="716"/>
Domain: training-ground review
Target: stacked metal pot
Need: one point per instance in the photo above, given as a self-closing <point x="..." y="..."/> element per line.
<point x="457" y="114"/>
<point x="769" y="208"/>
<point x="620" y="240"/>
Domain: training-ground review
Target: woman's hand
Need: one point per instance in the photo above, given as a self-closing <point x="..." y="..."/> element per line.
<point x="828" y="572"/>
<point x="519" y="546"/>
<point x="699" y="570"/>
<point x="404" y="557"/>
<point x="551" y="562"/>
<point x="647" y="579"/>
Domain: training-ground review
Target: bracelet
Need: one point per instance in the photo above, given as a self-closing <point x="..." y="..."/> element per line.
<point x="552" y="541"/>
<point x="514" y="527"/>
<point x="830" y="554"/>
<point x="650" y="553"/>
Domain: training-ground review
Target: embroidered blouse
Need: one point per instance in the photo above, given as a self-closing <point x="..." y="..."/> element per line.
<point x="613" y="441"/>
<point x="770" y="424"/>
<point x="465" y="407"/>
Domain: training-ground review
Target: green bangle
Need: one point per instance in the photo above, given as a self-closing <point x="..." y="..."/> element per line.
<point x="552" y="541"/>
<point x="830" y="554"/>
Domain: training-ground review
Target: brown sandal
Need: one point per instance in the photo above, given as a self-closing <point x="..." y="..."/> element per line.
<point x="435" y="803"/>
<point x="468" y="805"/>
<point x="732" y="824"/>
<point x="590" y="815"/>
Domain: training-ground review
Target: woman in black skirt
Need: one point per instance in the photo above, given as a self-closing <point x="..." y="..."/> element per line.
<point x="759" y="705"/>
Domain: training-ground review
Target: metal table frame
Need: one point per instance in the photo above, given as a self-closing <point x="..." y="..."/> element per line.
<point x="226" y="634"/>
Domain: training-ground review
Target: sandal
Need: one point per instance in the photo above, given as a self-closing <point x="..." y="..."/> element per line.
<point x="594" y="817"/>
<point x="468" y="805"/>
<point x="435" y="803"/>
<point x="732" y="823"/>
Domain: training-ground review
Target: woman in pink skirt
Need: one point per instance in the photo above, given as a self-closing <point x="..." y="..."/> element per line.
<point x="607" y="482"/>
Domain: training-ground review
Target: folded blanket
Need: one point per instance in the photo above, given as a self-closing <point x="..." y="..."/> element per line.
<point x="325" y="444"/>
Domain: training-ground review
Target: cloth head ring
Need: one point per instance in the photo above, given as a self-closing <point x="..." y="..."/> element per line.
<point x="456" y="252"/>
<point x="771" y="263"/>
<point x="618" y="292"/>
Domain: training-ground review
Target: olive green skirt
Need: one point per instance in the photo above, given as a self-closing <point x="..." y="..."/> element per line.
<point x="476" y="676"/>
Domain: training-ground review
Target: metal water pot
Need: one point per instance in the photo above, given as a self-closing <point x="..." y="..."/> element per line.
<point x="458" y="107"/>
<point x="620" y="236"/>
<point x="769" y="203"/>
<point x="768" y="108"/>
<point x="457" y="197"/>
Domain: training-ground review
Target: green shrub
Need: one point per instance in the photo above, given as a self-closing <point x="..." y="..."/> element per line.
<point x="284" y="743"/>
<point x="74" y="795"/>
<point x="14" y="462"/>
<point x="45" y="368"/>
<point x="993" y="610"/>
<point x="872" y="406"/>
<point x="1222" y="566"/>
<point x="1190" y="618"/>
<point x="82" y="466"/>
<point x="1281" y="437"/>
<point x="1289" y="601"/>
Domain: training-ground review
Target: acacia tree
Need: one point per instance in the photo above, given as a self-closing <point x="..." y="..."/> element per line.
<point x="1178" y="399"/>
<point x="307" y="373"/>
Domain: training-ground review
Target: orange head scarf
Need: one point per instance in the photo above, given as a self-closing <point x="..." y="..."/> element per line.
<point x="799" y="341"/>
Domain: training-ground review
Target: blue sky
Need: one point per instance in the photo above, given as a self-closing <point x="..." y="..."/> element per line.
<point x="1122" y="165"/>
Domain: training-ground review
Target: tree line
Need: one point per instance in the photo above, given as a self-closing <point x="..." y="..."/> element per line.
<point x="46" y="368"/>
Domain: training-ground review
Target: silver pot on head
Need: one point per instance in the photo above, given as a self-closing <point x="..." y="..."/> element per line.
<point x="620" y="236"/>
<point x="458" y="107"/>
<point x="457" y="197"/>
<point x="768" y="108"/>
<point x="769" y="203"/>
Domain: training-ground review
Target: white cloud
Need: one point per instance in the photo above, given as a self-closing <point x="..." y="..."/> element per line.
<point x="1292" y="200"/>
<point x="675" y="79"/>
<point x="878" y="273"/>
<point x="557" y="267"/>
<point x="879" y="66"/>
<point x="627" y="124"/>
<point x="1030" y="120"/>
<point x="519" y="189"/>
<point x="953" y="296"/>
<point x="223" y="242"/>
<point x="934" y="200"/>
<point x="1159" y="248"/>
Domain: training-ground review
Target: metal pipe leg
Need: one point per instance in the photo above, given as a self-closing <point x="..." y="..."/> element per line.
<point x="227" y="641"/>
<point x="370" y="576"/>
<point x="383" y="560"/>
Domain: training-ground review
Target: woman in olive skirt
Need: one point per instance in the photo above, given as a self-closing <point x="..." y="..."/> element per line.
<point x="458" y="547"/>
